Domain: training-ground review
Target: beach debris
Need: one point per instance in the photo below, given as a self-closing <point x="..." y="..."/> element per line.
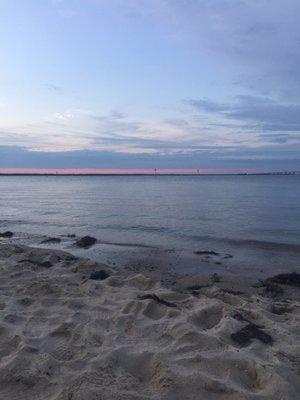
<point x="99" y="275"/>
<point x="206" y="253"/>
<point x="292" y="279"/>
<point x="157" y="300"/>
<point x="245" y="335"/>
<point x="51" y="240"/>
<point x="7" y="234"/>
<point x="86" y="241"/>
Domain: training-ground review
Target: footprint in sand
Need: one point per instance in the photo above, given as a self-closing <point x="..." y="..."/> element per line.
<point x="155" y="311"/>
<point x="208" y="317"/>
<point x="65" y="344"/>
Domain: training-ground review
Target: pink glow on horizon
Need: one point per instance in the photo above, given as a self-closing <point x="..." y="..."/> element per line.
<point x="127" y="171"/>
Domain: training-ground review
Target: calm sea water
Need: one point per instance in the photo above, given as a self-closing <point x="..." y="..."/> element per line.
<point x="254" y="218"/>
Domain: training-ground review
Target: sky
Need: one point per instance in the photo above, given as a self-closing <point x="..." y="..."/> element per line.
<point x="150" y="84"/>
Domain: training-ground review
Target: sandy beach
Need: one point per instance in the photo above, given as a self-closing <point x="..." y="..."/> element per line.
<point x="72" y="329"/>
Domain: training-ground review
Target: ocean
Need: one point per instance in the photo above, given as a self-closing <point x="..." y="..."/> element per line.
<point x="251" y="221"/>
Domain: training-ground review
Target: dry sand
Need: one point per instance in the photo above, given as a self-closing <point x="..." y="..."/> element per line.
<point x="64" y="336"/>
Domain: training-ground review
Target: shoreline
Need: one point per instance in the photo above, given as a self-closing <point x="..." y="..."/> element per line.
<point x="72" y="328"/>
<point x="249" y="258"/>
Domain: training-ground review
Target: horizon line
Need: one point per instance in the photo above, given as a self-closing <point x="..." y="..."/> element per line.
<point x="136" y="171"/>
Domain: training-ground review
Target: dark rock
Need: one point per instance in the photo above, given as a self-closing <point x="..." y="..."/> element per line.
<point x="157" y="299"/>
<point x="216" y="278"/>
<point x="7" y="234"/>
<point x="292" y="279"/>
<point x="72" y="235"/>
<point x="51" y="240"/>
<point x="206" y="252"/>
<point x="86" y="241"/>
<point x="99" y="275"/>
<point x="244" y="336"/>
<point x="228" y="256"/>
<point x="197" y="287"/>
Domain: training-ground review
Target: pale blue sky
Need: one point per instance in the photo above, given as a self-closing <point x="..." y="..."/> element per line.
<point x="150" y="82"/>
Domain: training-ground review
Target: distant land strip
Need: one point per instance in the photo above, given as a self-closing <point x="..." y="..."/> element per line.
<point x="149" y="174"/>
<point x="134" y="172"/>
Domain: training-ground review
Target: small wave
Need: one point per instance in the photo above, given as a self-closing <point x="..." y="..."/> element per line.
<point x="5" y="222"/>
<point x="124" y="244"/>
<point x="265" y="245"/>
<point x="31" y="223"/>
<point x="254" y="243"/>
<point x="143" y="228"/>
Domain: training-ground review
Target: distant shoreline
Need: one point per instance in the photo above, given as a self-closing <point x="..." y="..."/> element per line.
<point x="149" y="174"/>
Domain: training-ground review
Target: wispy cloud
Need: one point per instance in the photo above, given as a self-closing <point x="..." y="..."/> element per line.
<point x="52" y="87"/>
<point x="255" y="122"/>
<point x="280" y="138"/>
<point x="258" y="113"/>
<point x="16" y="157"/>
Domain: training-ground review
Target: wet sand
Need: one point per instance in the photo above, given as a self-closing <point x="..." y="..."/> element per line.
<point x="72" y="328"/>
<point x="257" y="261"/>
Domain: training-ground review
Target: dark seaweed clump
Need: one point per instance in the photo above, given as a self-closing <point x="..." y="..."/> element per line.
<point x="292" y="279"/>
<point x="7" y="234"/>
<point x="157" y="300"/>
<point x="86" y="241"/>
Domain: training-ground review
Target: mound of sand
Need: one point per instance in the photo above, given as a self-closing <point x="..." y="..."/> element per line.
<point x="64" y="336"/>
